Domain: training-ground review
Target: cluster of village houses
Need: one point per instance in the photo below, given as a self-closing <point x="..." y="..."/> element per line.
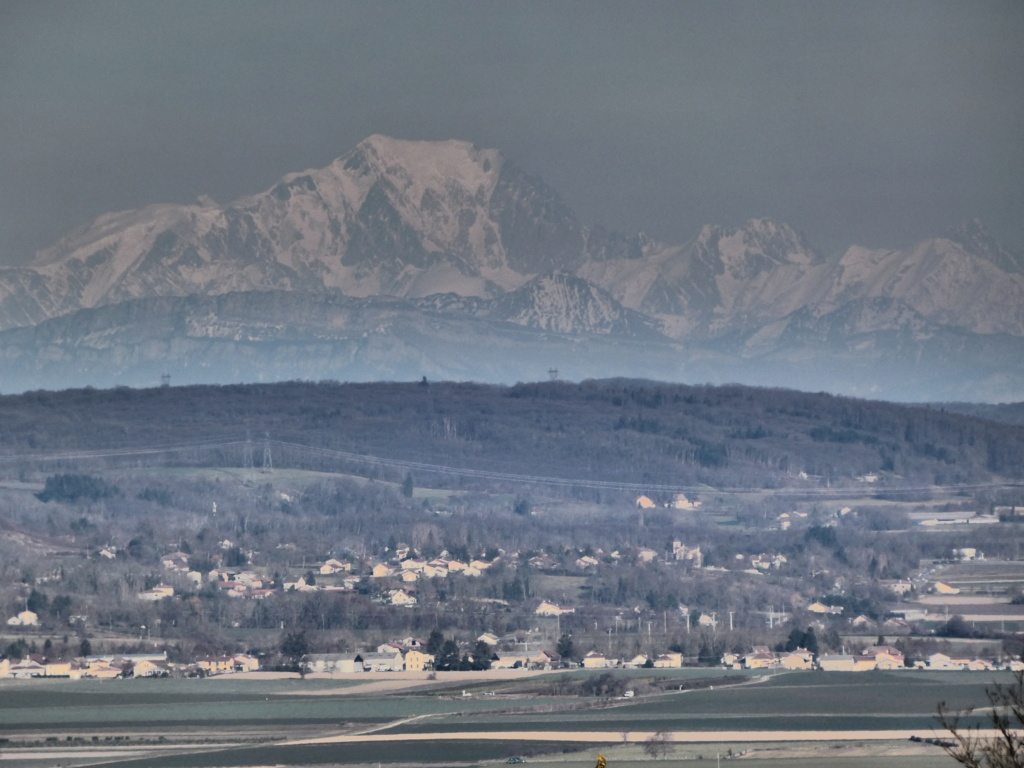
<point x="404" y="567"/>
<point x="124" y="665"/>
<point x="410" y="654"/>
<point x="874" y="657"/>
<point x="249" y="584"/>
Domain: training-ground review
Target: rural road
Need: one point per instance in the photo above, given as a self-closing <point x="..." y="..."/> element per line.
<point x="605" y="737"/>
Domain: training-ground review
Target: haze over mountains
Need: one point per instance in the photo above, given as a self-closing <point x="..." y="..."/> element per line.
<point x="402" y="259"/>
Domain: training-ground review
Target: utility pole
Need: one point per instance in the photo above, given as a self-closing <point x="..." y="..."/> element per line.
<point x="247" y="455"/>
<point x="730" y="620"/>
<point x="268" y="461"/>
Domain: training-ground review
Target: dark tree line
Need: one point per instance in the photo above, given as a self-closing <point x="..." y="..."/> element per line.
<point x="628" y="431"/>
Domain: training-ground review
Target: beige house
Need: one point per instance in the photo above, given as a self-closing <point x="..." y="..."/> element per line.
<point x="884" y="661"/>
<point x="245" y="663"/>
<point x="148" y="668"/>
<point x="401" y="597"/>
<point x="547" y="608"/>
<point x="418" y="661"/>
<point x="863" y="622"/>
<point x="176" y="561"/>
<point x="821" y="608"/>
<point x="102" y="670"/>
<point x="942" y="661"/>
<point x="896" y="624"/>
<point x="898" y="586"/>
<point x="679" y="501"/>
<point x="382" y="571"/>
<point x="669" y="660"/>
<point x="57" y="668"/>
<point x="595" y="660"/>
<point x="213" y="665"/>
<point x="24" y="619"/>
<point x="760" y="658"/>
<point x="884" y="657"/>
<point x="764" y="562"/>
<point x="26" y="668"/>
<point x="864" y="663"/>
<point x="835" y="662"/>
<point x="383" y="662"/>
<point x="510" y="661"/>
<point x="335" y="663"/>
<point x="801" y="658"/>
<point x="335" y="566"/>
<point x="646" y="555"/>
<point x="690" y="555"/>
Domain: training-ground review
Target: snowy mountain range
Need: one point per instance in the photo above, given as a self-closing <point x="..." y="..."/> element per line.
<point x="437" y="258"/>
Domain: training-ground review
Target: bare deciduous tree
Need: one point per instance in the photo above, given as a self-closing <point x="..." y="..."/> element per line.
<point x="659" y="744"/>
<point x="999" y="746"/>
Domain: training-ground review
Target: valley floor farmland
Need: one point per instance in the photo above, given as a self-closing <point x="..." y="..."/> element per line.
<point x="792" y="719"/>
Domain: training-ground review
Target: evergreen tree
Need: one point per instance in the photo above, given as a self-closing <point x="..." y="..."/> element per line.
<point x="811" y="641"/>
<point x="37" y="602"/>
<point x="447" y="656"/>
<point x="434" y="641"/>
<point x="565" y="648"/>
<point x="294" y="646"/>
<point x="481" y="656"/>
<point x="796" y="640"/>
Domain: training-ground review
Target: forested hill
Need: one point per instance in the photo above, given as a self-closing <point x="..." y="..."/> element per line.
<point x="616" y="431"/>
<point x="1009" y="413"/>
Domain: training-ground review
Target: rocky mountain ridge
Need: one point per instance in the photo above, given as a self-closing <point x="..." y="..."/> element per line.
<point x="461" y="234"/>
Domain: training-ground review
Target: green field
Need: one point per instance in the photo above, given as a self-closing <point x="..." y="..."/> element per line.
<point x="237" y="723"/>
<point x="809" y="701"/>
<point x="175" y="704"/>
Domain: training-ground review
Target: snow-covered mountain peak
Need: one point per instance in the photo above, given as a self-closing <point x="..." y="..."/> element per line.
<point x="759" y="246"/>
<point x="412" y="219"/>
<point x="777" y="241"/>
<point x="429" y="164"/>
<point x="974" y="238"/>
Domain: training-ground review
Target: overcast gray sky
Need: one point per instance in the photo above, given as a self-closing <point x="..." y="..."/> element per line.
<point x="876" y="123"/>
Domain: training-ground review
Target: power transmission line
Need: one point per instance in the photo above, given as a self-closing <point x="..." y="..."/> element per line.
<point x="468" y="472"/>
